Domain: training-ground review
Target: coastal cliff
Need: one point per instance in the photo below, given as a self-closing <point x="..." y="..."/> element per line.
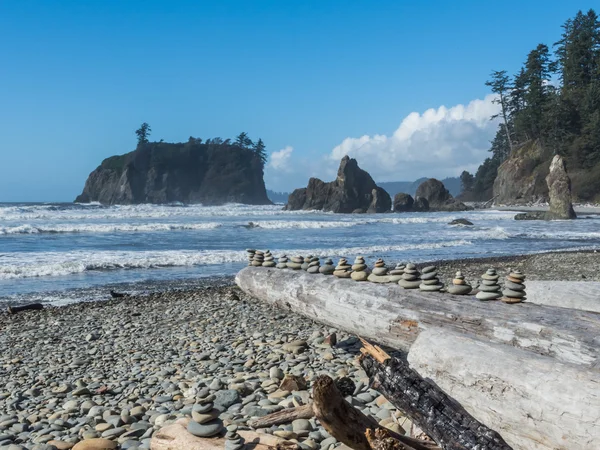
<point x="191" y="172"/>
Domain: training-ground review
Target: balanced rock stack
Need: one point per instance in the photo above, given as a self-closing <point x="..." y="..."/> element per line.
<point x="459" y="285"/>
<point x="306" y="262"/>
<point x="205" y="420"/>
<point x="282" y="264"/>
<point x="489" y="289"/>
<point x="410" y="278"/>
<point x="514" y="289"/>
<point x="234" y="440"/>
<point x="343" y="269"/>
<point x="314" y="265"/>
<point x="430" y="280"/>
<point x="328" y="268"/>
<point x="359" y="269"/>
<point x="269" y="259"/>
<point x="259" y="258"/>
<point x="379" y="274"/>
<point x="296" y="262"/>
<point x="251" y="253"/>
<point x="396" y="273"/>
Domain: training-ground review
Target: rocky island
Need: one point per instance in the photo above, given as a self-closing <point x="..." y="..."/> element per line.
<point x="210" y="173"/>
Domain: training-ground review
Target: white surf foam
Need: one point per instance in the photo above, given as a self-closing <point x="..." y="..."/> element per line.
<point x="105" y="228"/>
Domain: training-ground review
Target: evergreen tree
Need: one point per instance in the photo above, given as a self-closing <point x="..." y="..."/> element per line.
<point x="142" y="133"/>
<point x="466" y="181"/>
<point x="537" y="75"/>
<point x="500" y="86"/>
<point x="243" y="141"/>
<point x="259" y="150"/>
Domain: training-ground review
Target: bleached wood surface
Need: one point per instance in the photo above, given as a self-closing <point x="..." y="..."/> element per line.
<point x="584" y="295"/>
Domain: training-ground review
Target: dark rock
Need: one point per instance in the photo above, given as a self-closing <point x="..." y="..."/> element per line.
<point x="421" y="204"/>
<point x="352" y="191"/>
<point x="438" y="197"/>
<point x="190" y="172"/>
<point x="533" y="215"/>
<point x="381" y="201"/>
<point x="460" y="222"/>
<point x="559" y="190"/>
<point x="403" y="202"/>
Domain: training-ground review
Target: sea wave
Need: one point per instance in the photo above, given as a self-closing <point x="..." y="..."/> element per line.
<point x="52" y="264"/>
<point x="105" y="228"/>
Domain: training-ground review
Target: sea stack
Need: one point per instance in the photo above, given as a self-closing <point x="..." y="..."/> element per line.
<point x="269" y="260"/>
<point x="328" y="268"/>
<point x="489" y="289"/>
<point x="514" y="289"/>
<point x="396" y="273"/>
<point x="282" y="264"/>
<point x="295" y="263"/>
<point x="343" y="269"/>
<point x="410" y="278"/>
<point x="314" y="265"/>
<point x="430" y="281"/>
<point x="379" y="273"/>
<point x="359" y="269"/>
<point x="251" y="253"/>
<point x="459" y="285"/>
<point x="259" y="258"/>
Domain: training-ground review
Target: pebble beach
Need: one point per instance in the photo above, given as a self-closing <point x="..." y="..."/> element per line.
<point x="120" y="369"/>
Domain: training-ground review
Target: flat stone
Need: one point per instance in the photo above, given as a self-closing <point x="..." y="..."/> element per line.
<point x="459" y="290"/>
<point x="205" y="430"/>
<point x="61" y="445"/>
<point x="517" y="275"/>
<point x="486" y="288"/>
<point x="379" y="271"/>
<point x="359" y="276"/>
<point x="202" y="408"/>
<point x="428" y="269"/>
<point x="514" y="286"/>
<point x="95" y="444"/>
<point x="406" y="284"/>
<point x="430" y="287"/>
<point x="429" y="275"/>
<point x="378" y="278"/>
<point x="359" y="267"/>
<point x="481" y="295"/>
<point x="301" y="425"/>
<point x="202" y="418"/>
<point x="227" y="398"/>
<point x="513" y="294"/>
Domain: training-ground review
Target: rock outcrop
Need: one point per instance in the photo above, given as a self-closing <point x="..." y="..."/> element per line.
<point x="438" y="198"/>
<point x="352" y="191"/>
<point x="521" y="178"/>
<point x="189" y="172"/>
<point x="559" y="191"/>
<point x="403" y="202"/>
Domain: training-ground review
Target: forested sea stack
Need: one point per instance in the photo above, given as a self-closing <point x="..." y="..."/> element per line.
<point x="353" y="191"/>
<point x="212" y="172"/>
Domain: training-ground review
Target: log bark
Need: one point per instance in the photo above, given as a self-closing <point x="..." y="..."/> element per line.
<point x="30" y="307"/>
<point x="393" y="316"/>
<point x="284" y="416"/>
<point x="430" y="408"/>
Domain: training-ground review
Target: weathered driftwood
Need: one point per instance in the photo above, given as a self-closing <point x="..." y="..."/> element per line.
<point x="430" y="408"/>
<point x="347" y="424"/>
<point x="584" y="295"/>
<point x="30" y="307"/>
<point x="530" y="372"/>
<point x="534" y="402"/>
<point x="284" y="416"/>
<point x="394" y="316"/>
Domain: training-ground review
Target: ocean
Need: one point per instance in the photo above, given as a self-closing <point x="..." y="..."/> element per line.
<point x="58" y="253"/>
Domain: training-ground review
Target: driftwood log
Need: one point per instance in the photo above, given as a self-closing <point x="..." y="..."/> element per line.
<point x="30" y="307"/>
<point x="530" y="372"/>
<point x="584" y="295"/>
<point x="436" y="413"/>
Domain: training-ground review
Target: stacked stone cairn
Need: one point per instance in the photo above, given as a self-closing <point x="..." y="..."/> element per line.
<point x="295" y="263"/>
<point x="205" y="420"/>
<point x="430" y="281"/>
<point x="306" y="262"/>
<point x="269" y="259"/>
<point x="282" y="264"/>
<point x="514" y="289"/>
<point x="459" y="285"/>
<point x="234" y="440"/>
<point x="343" y="269"/>
<point x="359" y="269"/>
<point x="314" y="265"/>
<point x="379" y="274"/>
<point x="258" y="259"/>
<point x="489" y="289"/>
<point x="411" y="278"/>
<point x="328" y="268"/>
<point x="251" y="253"/>
<point x="396" y="273"/>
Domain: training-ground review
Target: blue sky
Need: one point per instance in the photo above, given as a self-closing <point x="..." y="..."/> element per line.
<point x="313" y="79"/>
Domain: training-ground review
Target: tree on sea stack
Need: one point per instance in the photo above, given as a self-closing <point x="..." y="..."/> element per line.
<point x="243" y="141"/>
<point x="259" y="149"/>
<point x="142" y="133"/>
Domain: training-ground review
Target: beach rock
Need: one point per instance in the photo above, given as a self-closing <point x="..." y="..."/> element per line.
<point x="403" y="202"/>
<point x="438" y="197"/>
<point x="314" y="265"/>
<point x="205" y="430"/>
<point x="352" y="190"/>
<point x="293" y="383"/>
<point x="459" y="285"/>
<point x="514" y="288"/>
<point x="95" y="444"/>
<point x="429" y="280"/>
<point x="269" y="260"/>
<point x="282" y="262"/>
<point x="328" y="268"/>
<point x="396" y="273"/>
<point x="359" y="269"/>
<point x="343" y="269"/>
<point x="461" y="222"/>
<point x="411" y="278"/>
<point x="379" y="273"/>
<point x="421" y="204"/>
<point x="489" y="289"/>
<point x="296" y="263"/>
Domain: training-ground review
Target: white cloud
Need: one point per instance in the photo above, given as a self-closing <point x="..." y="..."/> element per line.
<point x="281" y="158"/>
<point x="437" y="143"/>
